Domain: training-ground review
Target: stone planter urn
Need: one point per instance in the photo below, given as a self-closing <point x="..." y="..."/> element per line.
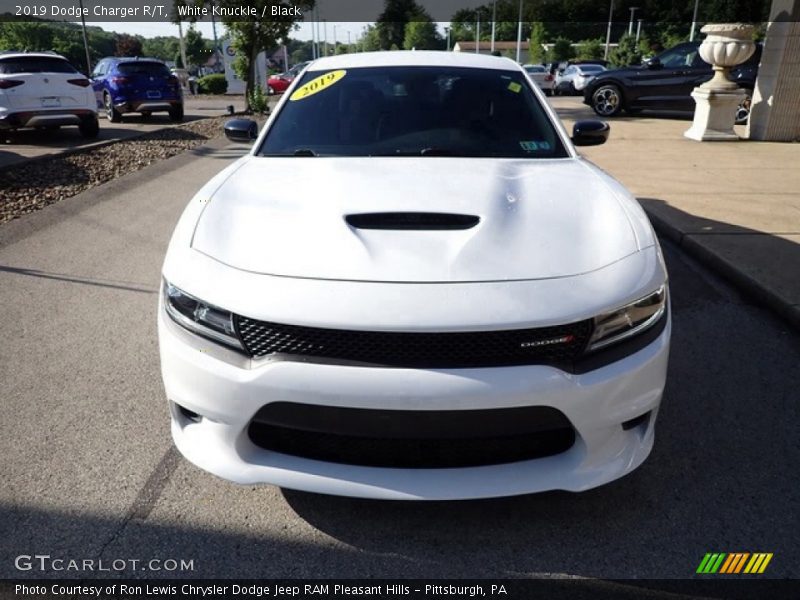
<point x="725" y="46"/>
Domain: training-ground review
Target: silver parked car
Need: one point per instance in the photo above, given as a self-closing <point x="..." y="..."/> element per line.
<point x="542" y="76"/>
<point x="575" y="77"/>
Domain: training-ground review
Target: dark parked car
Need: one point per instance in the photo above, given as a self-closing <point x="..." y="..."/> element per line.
<point x="143" y="85"/>
<point x="665" y="82"/>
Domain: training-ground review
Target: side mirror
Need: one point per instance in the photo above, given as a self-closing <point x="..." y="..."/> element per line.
<point x="654" y="63"/>
<point x="242" y="131"/>
<point x="590" y="133"/>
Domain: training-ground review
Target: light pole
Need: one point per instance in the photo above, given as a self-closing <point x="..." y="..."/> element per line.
<point x="217" y="58"/>
<point x="313" y="38"/>
<point x="494" y="19"/>
<point x="519" y="31"/>
<point x="478" y="33"/>
<point x="694" y="21"/>
<point x="638" y="30"/>
<point x="608" y="31"/>
<point x="633" y="10"/>
<point x="85" y="43"/>
<point x="325" y="35"/>
<point x="447" y="33"/>
<point x="334" y="40"/>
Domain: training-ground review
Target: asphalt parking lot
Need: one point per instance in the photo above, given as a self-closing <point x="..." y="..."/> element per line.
<point x="89" y="469"/>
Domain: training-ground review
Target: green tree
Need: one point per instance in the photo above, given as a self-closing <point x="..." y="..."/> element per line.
<point x="421" y="35"/>
<point x="591" y="49"/>
<point x="371" y="41"/>
<point x="127" y="45"/>
<point x="18" y="35"/>
<point x="626" y="53"/>
<point x="391" y="23"/>
<point x="563" y="50"/>
<point x="538" y="53"/>
<point x="196" y="51"/>
<point x="162" y="47"/>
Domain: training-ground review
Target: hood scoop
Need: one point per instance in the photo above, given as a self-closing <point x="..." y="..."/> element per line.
<point x="412" y="221"/>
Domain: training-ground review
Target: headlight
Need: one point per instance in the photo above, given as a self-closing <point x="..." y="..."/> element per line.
<point x="200" y="317"/>
<point x="628" y="321"/>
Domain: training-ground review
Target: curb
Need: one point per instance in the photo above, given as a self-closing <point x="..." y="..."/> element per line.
<point x="746" y="284"/>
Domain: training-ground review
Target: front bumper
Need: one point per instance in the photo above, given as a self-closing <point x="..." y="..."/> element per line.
<point x="226" y="390"/>
<point x="147" y="105"/>
<point x="45" y="118"/>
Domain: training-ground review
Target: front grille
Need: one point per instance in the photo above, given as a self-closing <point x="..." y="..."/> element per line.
<point x="557" y="345"/>
<point x="412" y="439"/>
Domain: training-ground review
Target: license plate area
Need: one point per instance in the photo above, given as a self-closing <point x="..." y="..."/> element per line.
<point x="51" y="102"/>
<point x="153" y="94"/>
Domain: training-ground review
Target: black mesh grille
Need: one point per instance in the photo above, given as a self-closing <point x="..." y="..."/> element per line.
<point x="545" y="345"/>
<point x="412" y="439"/>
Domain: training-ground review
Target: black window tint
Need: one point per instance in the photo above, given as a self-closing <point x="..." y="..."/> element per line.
<point x="143" y="68"/>
<point x="680" y="56"/>
<point x="35" y="64"/>
<point x="412" y="111"/>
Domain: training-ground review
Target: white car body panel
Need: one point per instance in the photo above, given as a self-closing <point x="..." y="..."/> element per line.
<point x="49" y="95"/>
<point x="529" y="219"/>
<point x="545" y="253"/>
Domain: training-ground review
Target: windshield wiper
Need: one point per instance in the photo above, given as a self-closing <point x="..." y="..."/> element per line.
<point x="431" y="151"/>
<point x="436" y="151"/>
<point x="304" y="152"/>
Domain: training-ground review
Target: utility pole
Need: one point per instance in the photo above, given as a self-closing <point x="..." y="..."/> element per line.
<point x="608" y="31"/>
<point x="217" y="58"/>
<point x="494" y="19"/>
<point x="85" y="43"/>
<point x="694" y="21"/>
<point x="633" y="10"/>
<point x="447" y="32"/>
<point x="638" y="30"/>
<point x="313" y="38"/>
<point x="478" y="33"/>
<point x="334" y="40"/>
<point x="182" y="45"/>
<point x="519" y="31"/>
<point x="325" y="36"/>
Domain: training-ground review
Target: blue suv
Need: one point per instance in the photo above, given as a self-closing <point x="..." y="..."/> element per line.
<point x="143" y="85"/>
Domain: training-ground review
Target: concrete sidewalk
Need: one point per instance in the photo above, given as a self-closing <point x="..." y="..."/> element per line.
<point x="734" y="205"/>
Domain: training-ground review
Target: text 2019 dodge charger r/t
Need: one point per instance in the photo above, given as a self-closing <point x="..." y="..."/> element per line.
<point x="423" y="310"/>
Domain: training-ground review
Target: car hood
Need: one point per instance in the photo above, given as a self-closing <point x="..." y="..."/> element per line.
<point x="538" y="219"/>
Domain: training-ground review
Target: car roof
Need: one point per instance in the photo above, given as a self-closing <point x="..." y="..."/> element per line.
<point x="30" y="54"/>
<point x="407" y="58"/>
<point x="122" y="59"/>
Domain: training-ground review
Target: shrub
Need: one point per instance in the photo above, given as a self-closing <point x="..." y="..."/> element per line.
<point x="258" y="101"/>
<point x="212" y="84"/>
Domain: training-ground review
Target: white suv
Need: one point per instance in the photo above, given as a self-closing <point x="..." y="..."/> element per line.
<point x="44" y="90"/>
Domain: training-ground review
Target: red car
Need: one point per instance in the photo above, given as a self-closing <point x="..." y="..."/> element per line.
<point x="277" y="84"/>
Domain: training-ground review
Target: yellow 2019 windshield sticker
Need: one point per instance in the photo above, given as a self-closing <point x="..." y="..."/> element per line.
<point x="317" y="84"/>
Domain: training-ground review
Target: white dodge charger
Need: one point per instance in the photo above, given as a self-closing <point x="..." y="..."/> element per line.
<point x="395" y="294"/>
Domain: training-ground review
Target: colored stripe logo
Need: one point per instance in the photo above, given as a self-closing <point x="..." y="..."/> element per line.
<point x="734" y="563"/>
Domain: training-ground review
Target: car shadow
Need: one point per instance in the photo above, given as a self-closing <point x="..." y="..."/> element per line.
<point x="733" y="252"/>
<point x="715" y="479"/>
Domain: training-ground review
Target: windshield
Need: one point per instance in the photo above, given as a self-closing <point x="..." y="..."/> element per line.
<point x="591" y="68"/>
<point x="34" y="64"/>
<point x="143" y="68"/>
<point x="534" y="69"/>
<point x="413" y="111"/>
